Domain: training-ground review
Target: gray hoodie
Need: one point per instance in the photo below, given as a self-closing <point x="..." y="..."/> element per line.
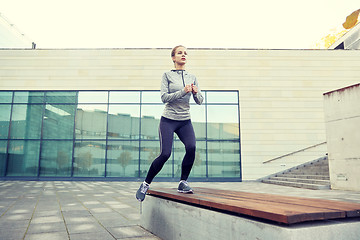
<point x="176" y="100"/>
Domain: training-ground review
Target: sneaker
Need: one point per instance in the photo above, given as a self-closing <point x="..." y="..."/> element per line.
<point x="184" y="187"/>
<point x="140" y="194"/>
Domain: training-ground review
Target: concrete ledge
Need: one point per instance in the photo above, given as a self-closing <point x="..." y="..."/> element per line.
<point x="173" y="220"/>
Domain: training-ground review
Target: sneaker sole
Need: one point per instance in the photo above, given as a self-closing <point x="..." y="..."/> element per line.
<point x="182" y="191"/>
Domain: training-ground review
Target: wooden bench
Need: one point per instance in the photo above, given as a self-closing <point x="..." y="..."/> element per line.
<point x="277" y="208"/>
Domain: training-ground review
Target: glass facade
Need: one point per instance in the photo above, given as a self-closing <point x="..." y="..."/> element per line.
<point x="111" y="135"/>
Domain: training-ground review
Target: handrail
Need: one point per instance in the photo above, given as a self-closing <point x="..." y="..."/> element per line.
<point x="288" y="154"/>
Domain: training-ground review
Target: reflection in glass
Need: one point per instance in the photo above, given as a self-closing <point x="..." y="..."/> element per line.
<point x="199" y="167"/>
<point x="89" y="159"/>
<point x="61" y="97"/>
<point x="91" y="121"/>
<point x="150" y="119"/>
<point x="93" y="97"/>
<point x="124" y="97"/>
<point x="123" y="121"/>
<point x="26" y="121"/>
<point x="151" y="97"/>
<point x="122" y="159"/>
<point x="4" y="120"/>
<point x="148" y="152"/>
<point x="5" y="97"/>
<point x="3" y="146"/>
<point x="198" y="120"/>
<point x="223" y="122"/>
<point x="59" y="121"/>
<point x="56" y="157"/>
<point x="222" y="97"/>
<point x="223" y="159"/>
<point x="29" y="97"/>
<point x="23" y="158"/>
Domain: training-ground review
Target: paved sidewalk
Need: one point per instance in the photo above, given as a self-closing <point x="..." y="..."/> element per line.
<point x="101" y="210"/>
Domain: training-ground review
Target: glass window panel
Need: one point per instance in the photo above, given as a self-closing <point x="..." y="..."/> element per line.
<point x="124" y="97"/>
<point x="28" y="97"/>
<point x="23" y="158"/>
<point x="26" y="121"/>
<point x="4" y="120"/>
<point x="224" y="159"/>
<point x="56" y="158"/>
<point x="93" y="97"/>
<point x="150" y="120"/>
<point x="123" y="122"/>
<point x="91" y="121"/>
<point x="198" y="120"/>
<point x="122" y="159"/>
<point x="59" y="121"/>
<point x="199" y="167"/>
<point x="149" y="151"/>
<point x="222" y="97"/>
<point x="5" y="97"/>
<point x="89" y="159"/>
<point x="3" y="147"/>
<point x="61" y="97"/>
<point x="223" y="122"/>
<point x="151" y="97"/>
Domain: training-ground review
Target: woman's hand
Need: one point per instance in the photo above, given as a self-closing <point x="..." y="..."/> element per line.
<point x="194" y="89"/>
<point x="188" y="88"/>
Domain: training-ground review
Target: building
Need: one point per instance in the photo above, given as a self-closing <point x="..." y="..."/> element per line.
<point x="72" y="113"/>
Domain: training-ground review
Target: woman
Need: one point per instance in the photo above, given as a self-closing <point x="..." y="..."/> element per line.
<point x="177" y="86"/>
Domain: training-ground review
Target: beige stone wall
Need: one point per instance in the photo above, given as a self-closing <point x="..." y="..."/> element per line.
<point x="342" y="117"/>
<point x="281" y="103"/>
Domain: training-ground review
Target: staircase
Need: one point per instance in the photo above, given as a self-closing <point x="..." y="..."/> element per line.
<point x="311" y="175"/>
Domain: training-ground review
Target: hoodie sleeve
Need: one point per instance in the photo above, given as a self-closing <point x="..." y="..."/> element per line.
<point x="166" y="96"/>
<point x="198" y="97"/>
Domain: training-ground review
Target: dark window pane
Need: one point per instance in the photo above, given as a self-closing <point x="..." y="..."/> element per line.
<point x="124" y="97"/>
<point x="199" y="167"/>
<point x="151" y="97"/>
<point x="56" y="157"/>
<point x="150" y="119"/>
<point x="223" y="122"/>
<point x="93" y="97"/>
<point x="23" y="158"/>
<point x="59" y="121"/>
<point x="61" y="97"/>
<point x="149" y="151"/>
<point x="89" y="159"/>
<point x="91" y="121"/>
<point x="3" y="146"/>
<point x="224" y="159"/>
<point x="5" y="97"/>
<point x="122" y="159"/>
<point x="28" y="97"/>
<point x="26" y="121"/>
<point x="124" y="122"/>
<point x="4" y="120"/>
<point x="222" y="97"/>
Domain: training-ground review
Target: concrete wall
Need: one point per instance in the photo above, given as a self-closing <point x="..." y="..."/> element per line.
<point x="281" y="103"/>
<point x="342" y="117"/>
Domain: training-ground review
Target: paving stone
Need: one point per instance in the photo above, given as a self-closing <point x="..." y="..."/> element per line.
<point x="47" y="236"/>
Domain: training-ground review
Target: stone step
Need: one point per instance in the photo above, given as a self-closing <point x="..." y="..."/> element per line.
<point x="298" y="185"/>
<point x="301" y="180"/>
<point x="322" y="177"/>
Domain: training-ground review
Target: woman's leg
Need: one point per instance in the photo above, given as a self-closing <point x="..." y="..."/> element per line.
<point x="187" y="136"/>
<point x="166" y="135"/>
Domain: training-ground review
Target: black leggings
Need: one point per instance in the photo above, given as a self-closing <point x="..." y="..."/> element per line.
<point x="185" y="132"/>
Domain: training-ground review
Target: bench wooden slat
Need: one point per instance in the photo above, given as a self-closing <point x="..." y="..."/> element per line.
<point x="277" y="208"/>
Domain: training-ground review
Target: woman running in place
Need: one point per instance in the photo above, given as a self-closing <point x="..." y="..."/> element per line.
<point x="177" y="86"/>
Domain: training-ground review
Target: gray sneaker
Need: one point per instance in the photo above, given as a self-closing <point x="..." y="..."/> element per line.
<point x="141" y="192"/>
<point x="184" y="187"/>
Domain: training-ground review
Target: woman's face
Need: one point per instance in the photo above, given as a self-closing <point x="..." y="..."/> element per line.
<point x="180" y="56"/>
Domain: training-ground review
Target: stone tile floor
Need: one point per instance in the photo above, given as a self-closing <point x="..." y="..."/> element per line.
<point x="83" y="210"/>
